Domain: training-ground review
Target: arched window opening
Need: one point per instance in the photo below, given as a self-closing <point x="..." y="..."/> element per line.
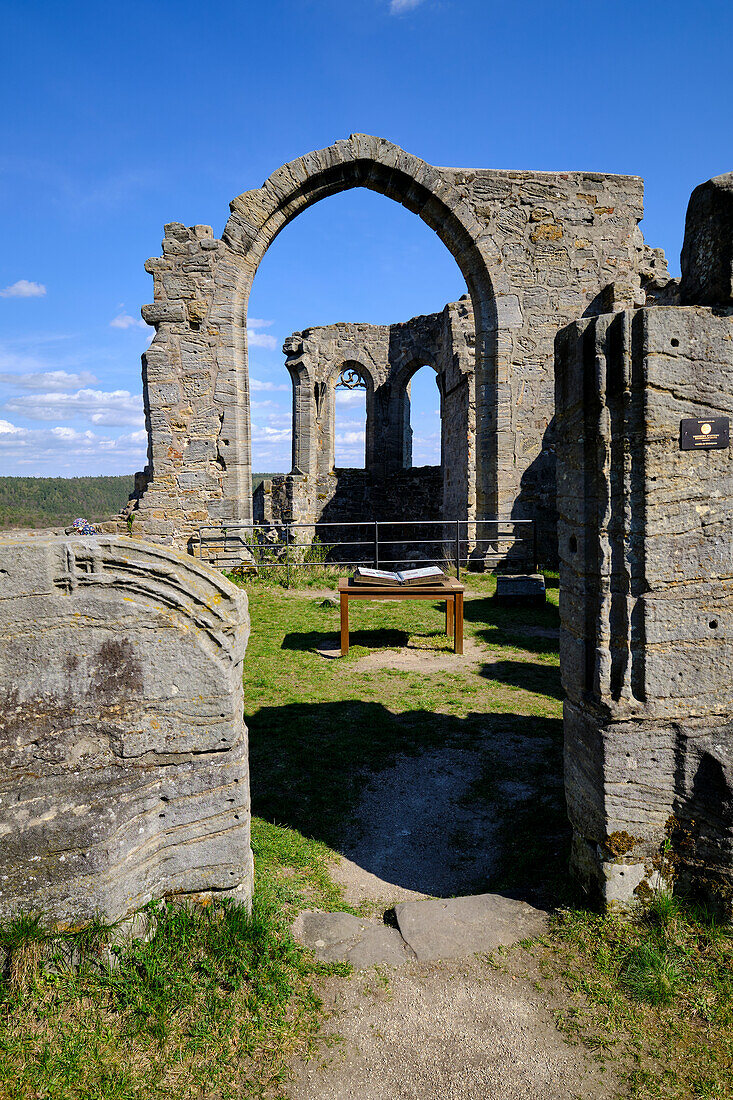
<point x="350" y="419"/>
<point x="357" y="256"/>
<point x="424" y="417"/>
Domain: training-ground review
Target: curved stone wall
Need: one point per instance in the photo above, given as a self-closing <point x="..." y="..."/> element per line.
<point x="123" y="749"/>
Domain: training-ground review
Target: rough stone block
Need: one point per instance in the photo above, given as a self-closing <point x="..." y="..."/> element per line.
<point x="518" y="590"/>
<point x="157" y="313"/>
<point x="707" y="251"/>
<point x="646" y="579"/>
<point x="123" y="751"/>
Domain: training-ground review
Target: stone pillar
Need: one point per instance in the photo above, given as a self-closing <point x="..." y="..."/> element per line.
<point x="123" y="749"/>
<point x="646" y="584"/>
<point x="304" y="460"/>
<point x="405" y="409"/>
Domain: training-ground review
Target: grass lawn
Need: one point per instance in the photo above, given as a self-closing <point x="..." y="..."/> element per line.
<point x="320" y="729"/>
<point x="217" y="1001"/>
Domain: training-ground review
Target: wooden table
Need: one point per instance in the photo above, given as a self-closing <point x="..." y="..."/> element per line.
<point x="448" y="591"/>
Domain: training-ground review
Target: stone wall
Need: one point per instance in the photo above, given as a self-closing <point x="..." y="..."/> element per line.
<point x="646" y="583"/>
<point x="123" y="750"/>
<point x="339" y="497"/>
<point x="385" y="357"/>
<point x="536" y="249"/>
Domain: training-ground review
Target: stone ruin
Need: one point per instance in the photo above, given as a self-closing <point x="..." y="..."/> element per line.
<point x="123" y="749"/>
<point x="381" y="360"/>
<point x="122" y="742"/>
<point x="646" y="578"/>
<point x="537" y="250"/>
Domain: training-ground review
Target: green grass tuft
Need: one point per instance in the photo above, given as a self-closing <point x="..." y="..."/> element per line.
<point x="652" y="975"/>
<point x="218" y="998"/>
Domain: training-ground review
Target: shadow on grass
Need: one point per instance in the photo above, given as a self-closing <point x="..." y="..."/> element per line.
<point x="515" y="625"/>
<point x="542" y="679"/>
<point x="310" y="763"/>
<point x="310" y="640"/>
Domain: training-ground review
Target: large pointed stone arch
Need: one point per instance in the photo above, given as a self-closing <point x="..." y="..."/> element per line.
<point x="534" y="248"/>
<point x="259" y="216"/>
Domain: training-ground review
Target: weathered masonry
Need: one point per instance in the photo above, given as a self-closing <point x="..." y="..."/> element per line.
<point x="381" y="360"/>
<point x="123" y="750"/>
<point x="537" y="250"/>
<point x="645" y="502"/>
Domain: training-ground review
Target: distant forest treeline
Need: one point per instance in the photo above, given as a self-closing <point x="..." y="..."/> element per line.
<point x="57" y="501"/>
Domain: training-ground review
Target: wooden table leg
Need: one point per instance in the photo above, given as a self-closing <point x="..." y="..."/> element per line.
<point x="344" y="624"/>
<point x="449" y="616"/>
<point x="458" y="623"/>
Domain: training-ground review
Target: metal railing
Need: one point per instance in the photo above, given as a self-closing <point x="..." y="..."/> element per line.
<point x="381" y="543"/>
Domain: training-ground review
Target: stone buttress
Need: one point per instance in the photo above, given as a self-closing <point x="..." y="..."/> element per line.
<point x="646" y="583"/>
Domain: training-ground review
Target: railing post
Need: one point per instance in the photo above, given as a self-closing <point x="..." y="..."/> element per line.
<point x="376" y="544"/>
<point x="287" y="555"/>
<point x="458" y="549"/>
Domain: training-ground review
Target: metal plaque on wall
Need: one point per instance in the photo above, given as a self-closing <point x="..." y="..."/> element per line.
<point x="706" y="434"/>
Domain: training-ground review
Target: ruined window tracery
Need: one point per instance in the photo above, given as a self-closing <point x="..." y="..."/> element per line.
<point x="350" y="379"/>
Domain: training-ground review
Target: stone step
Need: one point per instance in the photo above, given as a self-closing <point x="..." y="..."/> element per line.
<point x="427" y="930"/>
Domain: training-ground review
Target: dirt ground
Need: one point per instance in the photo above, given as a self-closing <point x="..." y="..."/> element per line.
<point x="452" y="1030"/>
<point x="459" y="1030"/>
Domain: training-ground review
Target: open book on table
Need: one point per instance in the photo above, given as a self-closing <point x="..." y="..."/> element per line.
<point x="430" y="575"/>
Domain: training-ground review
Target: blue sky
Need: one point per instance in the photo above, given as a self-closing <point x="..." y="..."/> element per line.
<point x="119" y="118"/>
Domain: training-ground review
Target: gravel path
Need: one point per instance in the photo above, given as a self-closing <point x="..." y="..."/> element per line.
<point x="447" y="1031"/>
<point x="454" y="1029"/>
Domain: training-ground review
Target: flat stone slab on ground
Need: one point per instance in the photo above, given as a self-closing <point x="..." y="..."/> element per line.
<point x="448" y="928"/>
<point x="343" y="937"/>
<point x="428" y="929"/>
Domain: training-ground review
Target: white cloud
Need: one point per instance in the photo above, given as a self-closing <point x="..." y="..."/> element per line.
<point x="350" y="397"/>
<point x="396" y="7"/>
<point x="52" y="449"/>
<point x="117" y="407"/>
<point x="20" y="356"/>
<point x="258" y="386"/>
<point x="260" y="339"/>
<point x="124" y="320"/>
<point x="23" y="289"/>
<point x="256" y="322"/>
<point x="263" y="432"/>
<point x="282" y="418"/>
<point x="349" y="425"/>
<point x="350" y="437"/>
<point x="51" y="380"/>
